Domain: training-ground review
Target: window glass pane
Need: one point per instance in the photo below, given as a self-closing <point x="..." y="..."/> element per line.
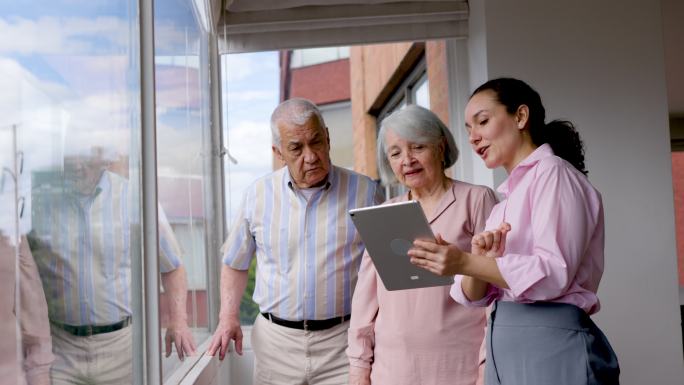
<point x="338" y="118"/>
<point x="250" y="94"/>
<point x="422" y="92"/>
<point x="182" y="121"/>
<point x="312" y="56"/>
<point x="69" y="74"/>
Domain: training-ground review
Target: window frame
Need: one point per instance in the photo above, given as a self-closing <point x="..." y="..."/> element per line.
<point x="406" y="90"/>
<point x="404" y="93"/>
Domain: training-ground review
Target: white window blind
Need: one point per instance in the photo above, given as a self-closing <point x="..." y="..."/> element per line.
<point x="251" y="25"/>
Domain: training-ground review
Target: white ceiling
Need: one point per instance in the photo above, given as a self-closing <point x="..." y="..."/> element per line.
<point x="261" y="5"/>
<point x="252" y="25"/>
<point x="272" y="24"/>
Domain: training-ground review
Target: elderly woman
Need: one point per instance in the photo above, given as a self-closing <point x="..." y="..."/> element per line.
<point x="419" y="336"/>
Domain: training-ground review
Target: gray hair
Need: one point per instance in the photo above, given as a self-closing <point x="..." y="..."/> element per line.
<point x="415" y="124"/>
<point x="296" y="111"/>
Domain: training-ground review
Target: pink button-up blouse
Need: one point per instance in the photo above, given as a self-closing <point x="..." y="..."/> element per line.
<point x="554" y="251"/>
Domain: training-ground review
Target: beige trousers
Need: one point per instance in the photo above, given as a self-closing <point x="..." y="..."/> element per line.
<point x="100" y="359"/>
<point x="285" y="356"/>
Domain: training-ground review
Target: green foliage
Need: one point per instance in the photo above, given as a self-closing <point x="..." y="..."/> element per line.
<point x="248" y="309"/>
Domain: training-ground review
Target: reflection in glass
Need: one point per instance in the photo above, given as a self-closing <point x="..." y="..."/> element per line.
<point x="182" y="120"/>
<point x="69" y="74"/>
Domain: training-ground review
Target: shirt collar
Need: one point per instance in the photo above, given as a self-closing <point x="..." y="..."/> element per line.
<point x="541" y="152"/>
<point x="103" y="184"/>
<point x="331" y="179"/>
<point x="445" y="201"/>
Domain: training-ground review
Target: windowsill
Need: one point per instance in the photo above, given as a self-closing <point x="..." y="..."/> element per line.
<point x="173" y="369"/>
<point x="193" y="368"/>
<point x="188" y="365"/>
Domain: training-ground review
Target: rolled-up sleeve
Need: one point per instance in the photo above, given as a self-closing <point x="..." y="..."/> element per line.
<point x="35" y="326"/>
<point x="459" y="296"/>
<point x="170" y="251"/>
<point x="364" y="311"/>
<point x="563" y="219"/>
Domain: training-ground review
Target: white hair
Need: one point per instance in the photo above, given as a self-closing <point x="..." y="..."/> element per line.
<point x="414" y="124"/>
<point x="295" y="111"/>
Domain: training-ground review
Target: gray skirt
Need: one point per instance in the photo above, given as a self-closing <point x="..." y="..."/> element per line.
<point x="547" y="343"/>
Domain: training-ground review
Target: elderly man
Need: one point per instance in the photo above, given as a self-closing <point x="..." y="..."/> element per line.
<point x="81" y="243"/>
<point x="295" y="222"/>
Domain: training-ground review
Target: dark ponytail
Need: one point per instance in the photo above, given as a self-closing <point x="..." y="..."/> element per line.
<point x="561" y="135"/>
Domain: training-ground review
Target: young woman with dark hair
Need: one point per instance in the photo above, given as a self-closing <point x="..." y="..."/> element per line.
<point x="540" y="259"/>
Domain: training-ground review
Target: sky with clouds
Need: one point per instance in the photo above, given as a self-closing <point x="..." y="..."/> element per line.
<point x="250" y="95"/>
<point x="70" y="69"/>
<point x="65" y="67"/>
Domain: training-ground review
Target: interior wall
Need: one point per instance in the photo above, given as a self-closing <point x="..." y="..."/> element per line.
<point x="673" y="35"/>
<point x="477" y="72"/>
<point x="600" y="64"/>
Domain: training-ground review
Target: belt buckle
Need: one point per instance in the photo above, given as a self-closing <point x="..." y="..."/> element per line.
<point x="89" y="330"/>
<point x="306" y="325"/>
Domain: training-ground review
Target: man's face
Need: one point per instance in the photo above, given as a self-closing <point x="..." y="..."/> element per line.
<point x="305" y="149"/>
<point x="83" y="172"/>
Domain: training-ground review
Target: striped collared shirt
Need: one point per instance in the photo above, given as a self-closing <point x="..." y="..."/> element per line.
<point x="81" y="245"/>
<point x="308" y="251"/>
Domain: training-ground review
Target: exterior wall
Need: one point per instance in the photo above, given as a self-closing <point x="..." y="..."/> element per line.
<point x="372" y="67"/>
<point x="376" y="72"/>
<point x="438" y="77"/>
<point x="678" y="188"/>
<point x="328" y="85"/>
<point x="321" y="83"/>
<point x="592" y="65"/>
<point x="196" y="304"/>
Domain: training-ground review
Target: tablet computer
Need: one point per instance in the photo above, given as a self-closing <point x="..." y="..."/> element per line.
<point x="388" y="232"/>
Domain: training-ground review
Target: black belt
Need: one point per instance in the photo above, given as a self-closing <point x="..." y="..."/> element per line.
<point x="308" y="325"/>
<point x="89" y="330"/>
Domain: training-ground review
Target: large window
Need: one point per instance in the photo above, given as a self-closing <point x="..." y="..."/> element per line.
<point x="182" y="105"/>
<point x="70" y="114"/>
<point x="70" y="79"/>
<point x="250" y="94"/>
